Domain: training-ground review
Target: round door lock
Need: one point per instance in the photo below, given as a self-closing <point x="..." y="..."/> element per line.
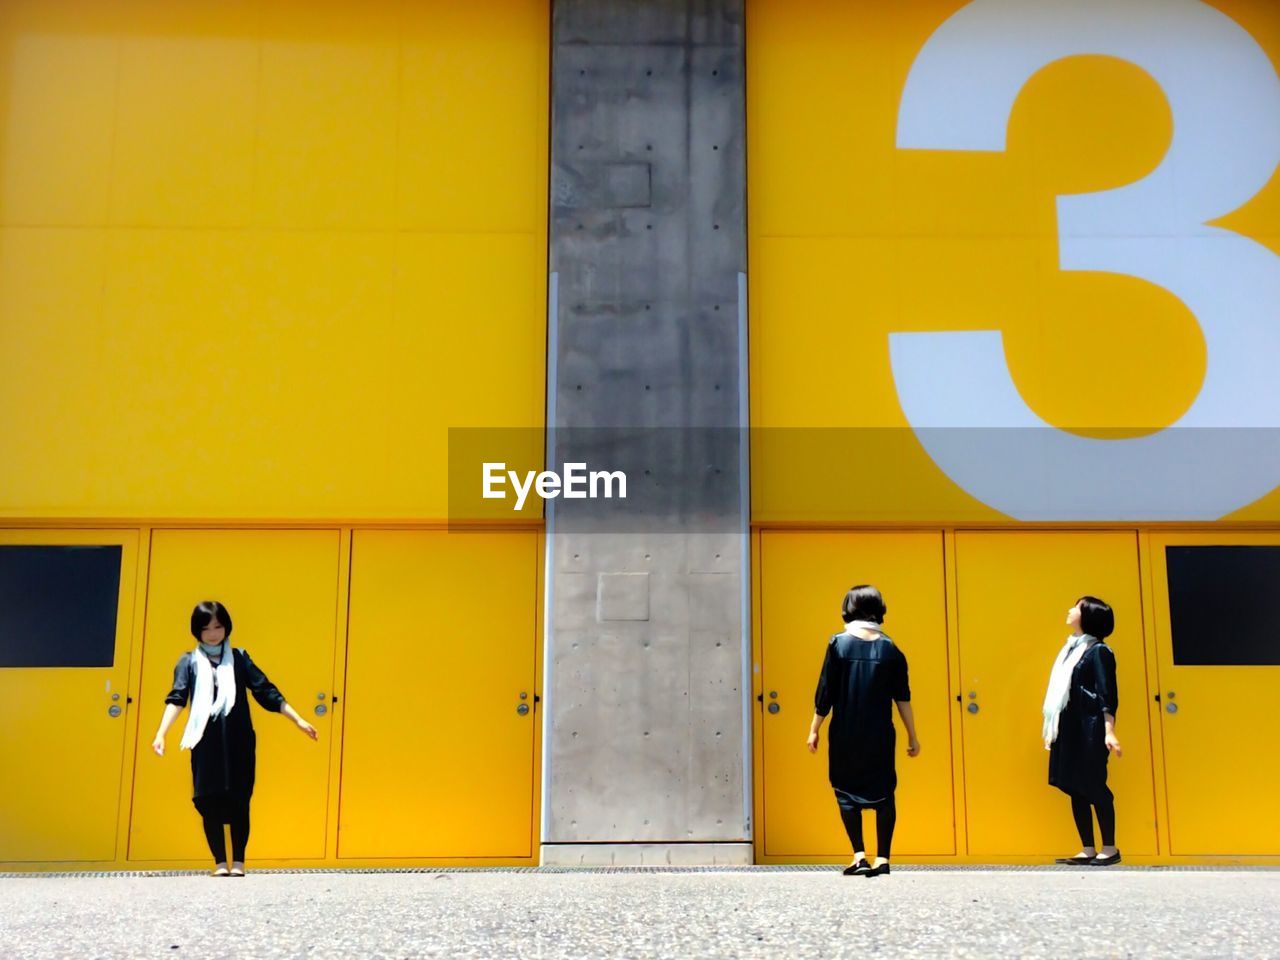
<point x="522" y="709"/>
<point x="774" y="708"/>
<point x="320" y="697"/>
<point x="1171" y="707"/>
<point x="115" y="696"/>
<point x="973" y="694"/>
<point x="321" y="709"/>
<point x="973" y="708"/>
<point x="523" y="695"/>
<point x="113" y="710"/>
<point x="773" y="694"/>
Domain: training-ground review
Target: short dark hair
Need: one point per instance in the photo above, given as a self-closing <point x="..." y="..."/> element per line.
<point x="1096" y="618"/>
<point x="205" y="613"/>
<point x="864" y="602"/>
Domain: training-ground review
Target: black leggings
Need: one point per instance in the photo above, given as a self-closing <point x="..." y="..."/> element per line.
<point x="1080" y="809"/>
<point x="239" y="819"/>
<point x="886" y="819"/>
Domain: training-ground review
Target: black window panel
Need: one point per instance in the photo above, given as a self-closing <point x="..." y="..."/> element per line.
<point x="1224" y="604"/>
<point x="58" y="605"/>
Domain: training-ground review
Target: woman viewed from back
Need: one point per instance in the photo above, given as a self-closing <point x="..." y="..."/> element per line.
<point x="863" y="675"/>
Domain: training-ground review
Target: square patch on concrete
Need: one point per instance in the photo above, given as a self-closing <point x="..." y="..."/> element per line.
<point x="622" y="596"/>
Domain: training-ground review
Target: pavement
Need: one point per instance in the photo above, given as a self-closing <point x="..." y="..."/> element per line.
<point x="745" y="912"/>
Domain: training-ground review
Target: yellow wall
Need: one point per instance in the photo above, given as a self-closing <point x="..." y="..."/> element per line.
<point x="332" y="615"/>
<point x="854" y="239"/>
<point x="859" y="236"/>
<point x="980" y="615"/>
<point x="257" y="256"/>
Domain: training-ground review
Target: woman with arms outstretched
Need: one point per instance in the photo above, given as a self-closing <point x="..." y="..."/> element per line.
<point x="214" y="679"/>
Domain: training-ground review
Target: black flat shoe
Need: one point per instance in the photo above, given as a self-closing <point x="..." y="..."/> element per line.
<point x="1105" y="861"/>
<point x="881" y="870"/>
<point x="859" y="868"/>
<point x="1075" y="861"/>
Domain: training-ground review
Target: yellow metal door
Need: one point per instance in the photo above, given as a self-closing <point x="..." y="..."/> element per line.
<point x="281" y="589"/>
<point x="804" y="577"/>
<point x="1014" y="593"/>
<point x="1218" y="637"/>
<point x="63" y="708"/>
<point x="438" y="748"/>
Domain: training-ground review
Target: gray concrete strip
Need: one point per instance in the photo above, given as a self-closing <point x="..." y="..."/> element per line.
<point x="914" y="912"/>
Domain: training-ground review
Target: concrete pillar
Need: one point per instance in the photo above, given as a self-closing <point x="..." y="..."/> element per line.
<point x="646" y="722"/>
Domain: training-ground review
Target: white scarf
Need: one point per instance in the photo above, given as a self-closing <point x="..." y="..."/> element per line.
<point x="864" y="625"/>
<point x="203" y="705"/>
<point x="1055" y="697"/>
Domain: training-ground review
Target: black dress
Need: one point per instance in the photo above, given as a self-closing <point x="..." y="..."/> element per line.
<point x="1078" y="758"/>
<point x="860" y="680"/>
<point x="223" y="763"/>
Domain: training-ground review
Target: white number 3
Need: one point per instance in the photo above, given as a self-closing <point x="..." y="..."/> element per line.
<point x="955" y="387"/>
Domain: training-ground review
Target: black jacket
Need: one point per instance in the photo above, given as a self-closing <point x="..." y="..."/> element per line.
<point x="224" y="762"/>
<point x="1078" y="758"/>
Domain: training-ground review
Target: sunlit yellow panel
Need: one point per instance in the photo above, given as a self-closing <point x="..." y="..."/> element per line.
<point x="187" y="108"/>
<point x="855" y="238"/>
<point x="58" y="66"/>
<point x="50" y="281"/>
<point x="474" y="111"/>
<point x="327" y="115"/>
<point x="241" y="349"/>
<point x="445" y="769"/>
<point x="324" y="246"/>
<point x="487" y="372"/>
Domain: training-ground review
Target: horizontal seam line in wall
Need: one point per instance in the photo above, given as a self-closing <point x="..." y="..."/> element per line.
<point x="55" y="523"/>
<point x="1012" y="235"/>
<point x="179" y="228"/>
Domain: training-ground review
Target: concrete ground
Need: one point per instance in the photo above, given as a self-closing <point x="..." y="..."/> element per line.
<point x="748" y="912"/>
